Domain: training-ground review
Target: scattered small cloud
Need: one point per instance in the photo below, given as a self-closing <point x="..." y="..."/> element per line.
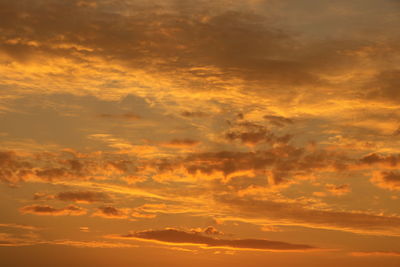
<point x="71" y="210"/>
<point x="338" y="190"/>
<point x="110" y="212"/>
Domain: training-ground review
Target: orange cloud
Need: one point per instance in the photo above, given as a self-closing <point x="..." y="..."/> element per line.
<point x="90" y="244"/>
<point x="278" y="120"/>
<point x="174" y="236"/>
<point x="9" y="240"/>
<point x="387" y="180"/>
<point x="70" y="210"/>
<point x="178" y="143"/>
<point x="252" y="134"/>
<point x="125" y="116"/>
<point x="286" y="213"/>
<point x="83" y="196"/>
<point x="110" y="212"/>
<point x="210" y="230"/>
<point x="13" y="169"/>
<point x="20" y="226"/>
<point x="55" y="167"/>
<point x="284" y="163"/>
<point x="338" y="190"/>
<point x="389" y="161"/>
<point x="194" y="114"/>
<point x="84" y="229"/>
<point x="375" y="254"/>
<point x="385" y="86"/>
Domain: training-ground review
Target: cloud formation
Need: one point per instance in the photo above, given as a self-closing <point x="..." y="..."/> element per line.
<point x="83" y="196"/>
<point x="125" y="116"/>
<point x="46" y="210"/>
<point x="12" y="168"/>
<point x="286" y="213"/>
<point x="282" y="161"/>
<point x="61" y="166"/>
<point x="252" y="134"/>
<point x="387" y="180"/>
<point x="338" y="190"/>
<point x="178" y="143"/>
<point x="200" y="112"/>
<point x="90" y="244"/>
<point x="110" y="212"/>
<point x="375" y="253"/>
<point x="174" y="236"/>
<point x="19" y="226"/>
<point x="278" y="121"/>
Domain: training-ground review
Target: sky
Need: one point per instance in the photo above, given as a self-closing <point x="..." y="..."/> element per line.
<point x="199" y="132"/>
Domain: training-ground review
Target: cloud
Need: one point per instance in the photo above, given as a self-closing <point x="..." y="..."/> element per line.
<point x="125" y="116"/>
<point x="338" y="190"/>
<point x="375" y="254"/>
<point x="181" y="143"/>
<point x="70" y="210"/>
<point x="62" y="166"/>
<point x="161" y="208"/>
<point x="282" y="162"/>
<point x="387" y="180"/>
<point x="335" y="190"/>
<point x="252" y="134"/>
<point x="84" y="229"/>
<point x="210" y="230"/>
<point x="278" y="121"/>
<point x="190" y="66"/>
<point x="90" y="244"/>
<point x="20" y="226"/>
<point x="202" y="47"/>
<point x="385" y="86"/>
<point x="83" y="196"/>
<point x="110" y="212"/>
<point x="194" y="114"/>
<point x="174" y="236"/>
<point x="388" y="161"/>
<point x="140" y="215"/>
<point x="9" y="240"/>
<point x="13" y="169"/>
<point x="295" y="213"/>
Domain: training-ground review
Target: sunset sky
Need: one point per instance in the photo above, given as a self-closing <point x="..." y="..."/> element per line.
<point x="198" y="133"/>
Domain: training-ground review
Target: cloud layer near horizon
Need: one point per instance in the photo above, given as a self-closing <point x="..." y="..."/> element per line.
<point x="174" y="236"/>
